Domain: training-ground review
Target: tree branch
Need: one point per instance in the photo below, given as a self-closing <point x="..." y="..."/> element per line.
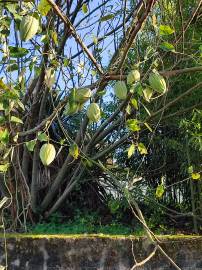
<point x="72" y="30"/>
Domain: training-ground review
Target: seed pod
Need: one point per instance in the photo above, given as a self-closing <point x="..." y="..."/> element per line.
<point x="157" y="82"/>
<point x="93" y="112"/>
<point x="47" y="153"/>
<point x="133" y="76"/>
<point x="82" y="95"/>
<point x="28" y="27"/>
<point x="120" y="90"/>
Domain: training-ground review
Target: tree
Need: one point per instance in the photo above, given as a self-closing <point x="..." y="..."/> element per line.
<point x="84" y="80"/>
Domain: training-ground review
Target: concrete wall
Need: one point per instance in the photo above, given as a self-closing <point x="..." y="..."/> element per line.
<point x="97" y="253"/>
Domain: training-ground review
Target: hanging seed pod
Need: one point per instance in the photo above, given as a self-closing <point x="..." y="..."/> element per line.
<point x="133" y="76"/>
<point x="47" y="153"/>
<point x="28" y="27"/>
<point x="82" y="95"/>
<point x="120" y="90"/>
<point x="93" y="112"/>
<point x="157" y="82"/>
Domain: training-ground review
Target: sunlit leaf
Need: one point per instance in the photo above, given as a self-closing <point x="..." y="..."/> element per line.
<point x="147" y="92"/>
<point x="131" y="150"/>
<point x="166" y="46"/>
<point x="85" y="8"/>
<point x="30" y="145"/>
<point x="15" y="119"/>
<point x="42" y="137"/>
<point x="133" y="124"/>
<point x="4" y="136"/>
<point x="165" y="30"/>
<point x="128" y="109"/>
<point x="44" y="7"/>
<point x="142" y="149"/>
<point x="134" y="103"/>
<point x="195" y="176"/>
<point x="4" y="167"/>
<point x="160" y="191"/>
<point x="55" y="37"/>
<point x="74" y="150"/>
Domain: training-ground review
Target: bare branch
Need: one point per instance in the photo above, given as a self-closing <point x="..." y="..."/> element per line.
<point x="72" y="30"/>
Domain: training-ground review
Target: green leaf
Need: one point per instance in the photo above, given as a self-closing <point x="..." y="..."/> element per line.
<point x="195" y="176"/>
<point x="4" y="167"/>
<point x="12" y="67"/>
<point x="142" y="149"/>
<point x="190" y="169"/>
<point x="42" y="137"/>
<point x="131" y="150"/>
<point x="66" y="62"/>
<point x="165" y="30"/>
<point x="95" y="40"/>
<point x="168" y="47"/>
<point x="137" y="89"/>
<point x="74" y="150"/>
<point x="128" y="109"/>
<point x="17" y="52"/>
<point x="133" y="124"/>
<point x="107" y="17"/>
<point x="44" y="7"/>
<point x="85" y="8"/>
<point x="160" y="191"/>
<point x="15" y="119"/>
<point x="4" y="136"/>
<point x="30" y="145"/>
<point x="55" y="37"/>
<point x="134" y="103"/>
<point x="147" y="92"/>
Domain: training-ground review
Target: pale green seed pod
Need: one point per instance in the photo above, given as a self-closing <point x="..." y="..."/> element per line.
<point x="133" y="76"/>
<point x="120" y="90"/>
<point x="93" y="112"/>
<point x="28" y="27"/>
<point x="47" y="154"/>
<point x="157" y="82"/>
<point x="82" y="95"/>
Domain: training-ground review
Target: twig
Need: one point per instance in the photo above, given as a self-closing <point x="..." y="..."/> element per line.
<point x="72" y="30"/>
<point x="145" y="260"/>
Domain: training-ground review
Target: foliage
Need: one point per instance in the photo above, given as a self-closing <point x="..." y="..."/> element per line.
<point x="96" y="109"/>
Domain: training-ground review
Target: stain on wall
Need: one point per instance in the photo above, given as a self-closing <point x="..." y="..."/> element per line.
<point x="97" y="253"/>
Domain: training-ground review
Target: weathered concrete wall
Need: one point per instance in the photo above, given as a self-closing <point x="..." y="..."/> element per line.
<point x="97" y="253"/>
